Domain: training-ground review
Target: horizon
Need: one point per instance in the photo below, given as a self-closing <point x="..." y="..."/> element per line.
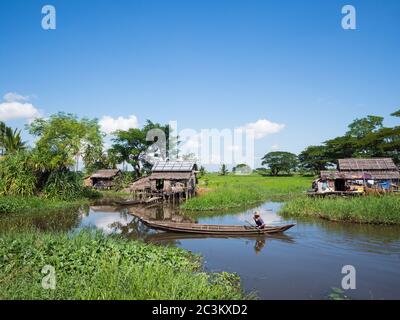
<point x="288" y="70"/>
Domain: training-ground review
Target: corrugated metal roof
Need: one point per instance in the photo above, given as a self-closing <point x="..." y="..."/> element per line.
<point x="367" y="164"/>
<point x="174" y="166"/>
<point x="171" y="175"/>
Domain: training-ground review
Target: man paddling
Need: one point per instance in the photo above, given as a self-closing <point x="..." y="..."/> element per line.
<point x="259" y="222"/>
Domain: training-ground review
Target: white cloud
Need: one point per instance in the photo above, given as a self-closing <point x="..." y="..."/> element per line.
<point x="109" y="124"/>
<point x="14" y="97"/>
<point x="261" y="128"/>
<point x="16" y="107"/>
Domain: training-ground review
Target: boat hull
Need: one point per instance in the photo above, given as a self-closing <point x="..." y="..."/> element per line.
<point x="214" y="229"/>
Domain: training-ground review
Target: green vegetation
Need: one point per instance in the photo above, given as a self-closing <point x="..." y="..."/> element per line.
<point x="365" y="138"/>
<point x="10" y="140"/>
<point x="93" y="266"/>
<point x="12" y="204"/>
<point x="234" y="191"/>
<point x="223" y="171"/>
<point x="129" y="146"/>
<point x="367" y="209"/>
<point x="280" y="161"/>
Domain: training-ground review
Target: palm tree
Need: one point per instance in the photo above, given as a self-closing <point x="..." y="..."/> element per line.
<point x="10" y="140"/>
<point x="2" y="133"/>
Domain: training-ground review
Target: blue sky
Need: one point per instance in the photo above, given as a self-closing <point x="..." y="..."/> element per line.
<point x="207" y="64"/>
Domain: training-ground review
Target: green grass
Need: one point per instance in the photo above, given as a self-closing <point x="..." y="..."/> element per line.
<point x="368" y="209"/>
<point x="11" y="204"/>
<point x="115" y="194"/>
<point x="234" y="191"/>
<point x="94" y="266"/>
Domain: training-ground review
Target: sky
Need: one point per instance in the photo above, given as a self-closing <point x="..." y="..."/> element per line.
<point x="287" y="69"/>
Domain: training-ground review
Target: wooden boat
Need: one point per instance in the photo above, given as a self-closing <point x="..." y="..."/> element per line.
<point x="212" y="229"/>
<point x="128" y="202"/>
<point x="177" y="236"/>
<point x="137" y="201"/>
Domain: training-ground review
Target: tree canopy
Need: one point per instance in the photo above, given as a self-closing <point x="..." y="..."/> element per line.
<point x="63" y="138"/>
<point x="280" y="161"/>
<point x="366" y="137"/>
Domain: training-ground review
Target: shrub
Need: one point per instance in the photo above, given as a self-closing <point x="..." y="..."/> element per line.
<point x="17" y="175"/>
<point x="64" y="184"/>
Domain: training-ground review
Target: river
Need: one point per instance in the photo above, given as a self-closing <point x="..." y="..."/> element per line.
<point x="304" y="263"/>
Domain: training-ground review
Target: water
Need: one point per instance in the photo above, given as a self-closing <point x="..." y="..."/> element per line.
<point x="304" y="263"/>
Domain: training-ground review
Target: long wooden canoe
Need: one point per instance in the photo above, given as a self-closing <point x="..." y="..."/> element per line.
<point x="128" y="202"/>
<point x="212" y="229"/>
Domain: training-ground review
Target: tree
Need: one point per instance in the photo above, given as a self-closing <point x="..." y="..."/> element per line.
<point x="140" y="147"/>
<point x="366" y="137"/>
<point x="202" y="171"/>
<point x="223" y="170"/>
<point x="10" y="140"/>
<point x="241" y="168"/>
<point x="280" y="161"/>
<point x="130" y="146"/>
<point x="359" y="128"/>
<point x="314" y="158"/>
<point x="63" y="138"/>
<point x="169" y="148"/>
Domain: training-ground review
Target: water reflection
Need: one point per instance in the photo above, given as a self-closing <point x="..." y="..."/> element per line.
<point x="303" y="263"/>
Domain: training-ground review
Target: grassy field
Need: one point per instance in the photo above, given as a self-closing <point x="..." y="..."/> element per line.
<point x="369" y="209"/>
<point x="93" y="266"/>
<point x="232" y="191"/>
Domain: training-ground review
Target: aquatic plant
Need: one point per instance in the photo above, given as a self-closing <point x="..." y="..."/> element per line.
<point x="94" y="266"/>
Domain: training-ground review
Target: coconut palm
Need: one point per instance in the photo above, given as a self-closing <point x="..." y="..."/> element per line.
<point x="10" y="140"/>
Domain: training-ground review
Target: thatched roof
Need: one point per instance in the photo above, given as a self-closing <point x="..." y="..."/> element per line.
<point x="355" y="164"/>
<point x="350" y="175"/>
<point x="140" y="184"/>
<point x="105" y="174"/>
<point x="170" y="175"/>
<point x="174" y="166"/>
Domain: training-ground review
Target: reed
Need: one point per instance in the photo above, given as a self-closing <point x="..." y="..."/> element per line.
<point x="368" y="209"/>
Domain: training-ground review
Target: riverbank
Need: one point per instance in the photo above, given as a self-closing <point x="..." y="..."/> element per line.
<point x="369" y="209"/>
<point x="16" y="204"/>
<point x="234" y="191"/>
<point x="10" y="204"/>
<point x="95" y="266"/>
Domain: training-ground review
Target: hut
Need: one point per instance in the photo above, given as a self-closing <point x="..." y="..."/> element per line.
<point x="358" y="175"/>
<point x="104" y="179"/>
<point x="173" y="177"/>
<point x="167" y="180"/>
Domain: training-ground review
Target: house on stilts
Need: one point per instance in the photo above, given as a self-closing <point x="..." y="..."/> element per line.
<point x="168" y="180"/>
<point x="359" y="176"/>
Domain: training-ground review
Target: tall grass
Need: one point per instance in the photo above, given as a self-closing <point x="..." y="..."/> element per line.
<point x="93" y="266"/>
<point x="236" y="191"/>
<point x="369" y="209"/>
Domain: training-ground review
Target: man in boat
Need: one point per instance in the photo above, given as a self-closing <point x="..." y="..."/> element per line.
<point x="259" y="222"/>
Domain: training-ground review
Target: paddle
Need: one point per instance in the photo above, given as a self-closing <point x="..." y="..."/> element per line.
<point x="250" y="223"/>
